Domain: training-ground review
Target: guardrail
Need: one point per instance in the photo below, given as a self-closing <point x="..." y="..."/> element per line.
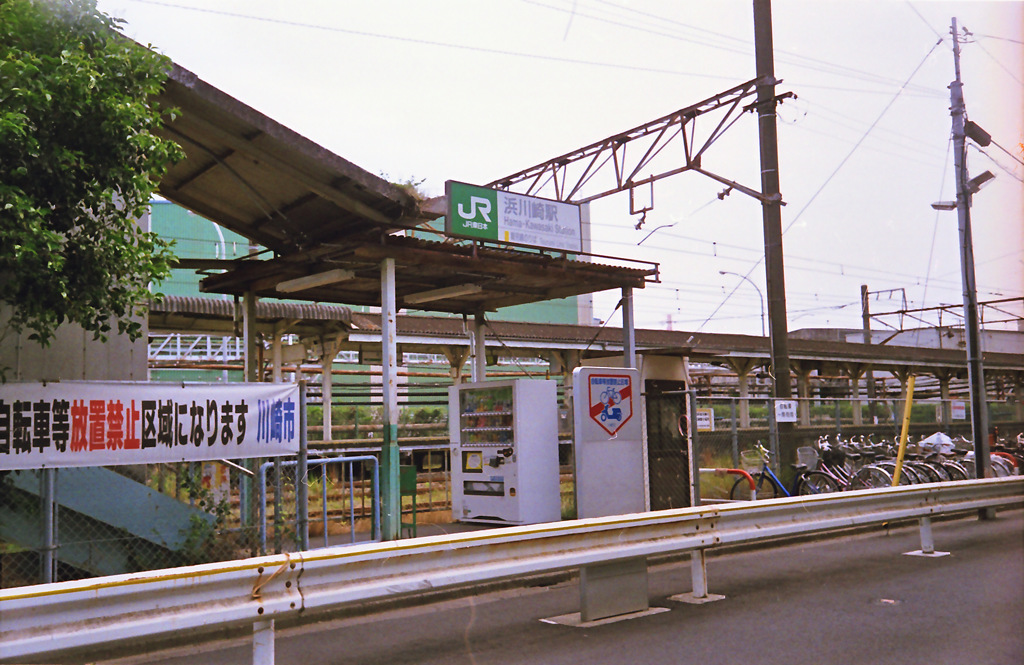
<point x="189" y="603"/>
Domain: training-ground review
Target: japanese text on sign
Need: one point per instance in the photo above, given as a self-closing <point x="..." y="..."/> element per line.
<point x="100" y="424"/>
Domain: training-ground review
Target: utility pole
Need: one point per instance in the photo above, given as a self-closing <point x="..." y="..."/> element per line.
<point x="975" y="373"/>
<point x="869" y="375"/>
<point x="771" y="209"/>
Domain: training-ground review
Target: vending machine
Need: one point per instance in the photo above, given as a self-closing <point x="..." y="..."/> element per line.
<point x="504" y="447"/>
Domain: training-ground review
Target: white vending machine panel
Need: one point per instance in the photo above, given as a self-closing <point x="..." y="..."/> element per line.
<point x="504" y="445"/>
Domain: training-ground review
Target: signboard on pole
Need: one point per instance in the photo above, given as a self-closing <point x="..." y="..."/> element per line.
<point x="107" y="423"/>
<point x="959" y="409"/>
<point x="487" y="214"/>
<point x="785" y="411"/>
<point x="705" y="419"/>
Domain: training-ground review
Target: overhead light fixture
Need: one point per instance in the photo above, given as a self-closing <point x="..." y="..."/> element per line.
<point x="944" y="205"/>
<point x="313" y="281"/>
<point x="977" y="134"/>
<point x="442" y="294"/>
<point x="979" y="181"/>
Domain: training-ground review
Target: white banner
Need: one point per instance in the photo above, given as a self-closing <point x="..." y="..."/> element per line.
<point x="90" y="423"/>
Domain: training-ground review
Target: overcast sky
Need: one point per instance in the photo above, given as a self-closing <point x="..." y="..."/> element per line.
<point x="474" y="90"/>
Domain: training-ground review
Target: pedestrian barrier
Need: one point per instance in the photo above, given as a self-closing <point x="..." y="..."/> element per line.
<point x="91" y="617"/>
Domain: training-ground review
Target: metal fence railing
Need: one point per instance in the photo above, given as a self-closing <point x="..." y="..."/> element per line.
<point x="73" y="523"/>
<point x="728" y="426"/>
<point x="346" y="488"/>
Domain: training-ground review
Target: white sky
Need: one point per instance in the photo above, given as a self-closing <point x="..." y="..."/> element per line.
<point x="474" y="90"/>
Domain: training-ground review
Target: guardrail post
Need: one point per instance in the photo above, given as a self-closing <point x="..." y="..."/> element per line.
<point x="613" y="589"/>
<point x="927" y="541"/>
<point x="699" y="575"/>
<point x="263" y="643"/>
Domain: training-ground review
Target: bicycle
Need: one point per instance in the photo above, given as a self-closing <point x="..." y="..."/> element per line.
<point x="768" y="486"/>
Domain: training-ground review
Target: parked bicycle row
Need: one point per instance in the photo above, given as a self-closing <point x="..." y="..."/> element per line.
<point x="835" y="464"/>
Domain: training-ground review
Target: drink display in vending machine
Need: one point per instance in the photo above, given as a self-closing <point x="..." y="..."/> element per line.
<point x="504" y="446"/>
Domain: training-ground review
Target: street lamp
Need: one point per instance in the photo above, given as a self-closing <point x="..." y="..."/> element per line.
<point x="760" y="298"/>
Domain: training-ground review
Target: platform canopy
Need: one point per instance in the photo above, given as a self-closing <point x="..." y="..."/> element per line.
<point x="327" y="224"/>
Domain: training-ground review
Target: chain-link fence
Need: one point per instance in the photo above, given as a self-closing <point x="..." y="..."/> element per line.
<point x="62" y="524"/>
<point x="74" y="523"/>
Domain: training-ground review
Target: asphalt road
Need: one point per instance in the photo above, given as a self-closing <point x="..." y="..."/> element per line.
<point x="855" y="600"/>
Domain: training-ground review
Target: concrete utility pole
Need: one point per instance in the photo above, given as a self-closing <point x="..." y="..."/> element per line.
<point x="771" y="209"/>
<point x="975" y="373"/>
<point x="869" y="375"/>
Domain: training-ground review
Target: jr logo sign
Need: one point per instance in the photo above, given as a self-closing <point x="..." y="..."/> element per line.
<point x="611" y="401"/>
<point x="472" y="211"/>
<point x="476" y="202"/>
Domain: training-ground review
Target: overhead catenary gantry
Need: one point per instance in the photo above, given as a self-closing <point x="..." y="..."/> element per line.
<point x="616" y="163"/>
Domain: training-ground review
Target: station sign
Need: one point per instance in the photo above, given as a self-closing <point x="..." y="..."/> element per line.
<point x="959" y="409"/>
<point x="480" y="213"/>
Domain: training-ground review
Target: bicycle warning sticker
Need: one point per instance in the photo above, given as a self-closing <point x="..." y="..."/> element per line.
<point x="611" y="401"/>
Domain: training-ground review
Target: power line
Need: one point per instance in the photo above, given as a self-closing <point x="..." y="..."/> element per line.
<point x="1001" y="65"/>
<point x="838" y="168"/>
<point x="1005" y="39"/>
<point x="448" y="45"/>
<point x="743" y="47"/>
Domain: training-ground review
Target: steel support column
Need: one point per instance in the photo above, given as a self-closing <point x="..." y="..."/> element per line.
<point x="628" y="333"/>
<point x="391" y="500"/>
<point x="479" y="366"/>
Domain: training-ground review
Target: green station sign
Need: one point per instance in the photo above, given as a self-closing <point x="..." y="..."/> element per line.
<point x="487" y="214"/>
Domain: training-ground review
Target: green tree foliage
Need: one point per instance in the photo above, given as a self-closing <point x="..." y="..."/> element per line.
<point x="79" y="161"/>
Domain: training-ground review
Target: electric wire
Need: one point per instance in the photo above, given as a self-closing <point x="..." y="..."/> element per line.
<point x="835" y="171"/>
<point x="1005" y="39"/>
<point x="782" y="55"/>
<point x="998" y="62"/>
<point x="1010" y="154"/>
<point x="935" y="227"/>
<point x="743" y="47"/>
<point x="448" y="45"/>
<point x="924" y="20"/>
<point x="996" y="162"/>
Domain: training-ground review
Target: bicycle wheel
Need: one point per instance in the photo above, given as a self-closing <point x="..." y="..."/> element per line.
<point x="940" y="471"/>
<point x="763" y="484"/>
<point x="955" y="471"/>
<point x="915" y="477"/>
<point x="816" y="482"/>
<point x="929" y="474"/>
<point x="871" y="476"/>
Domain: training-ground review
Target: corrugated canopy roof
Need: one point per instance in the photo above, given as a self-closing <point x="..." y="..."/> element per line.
<point x="256" y="177"/>
<point x="330" y="224"/>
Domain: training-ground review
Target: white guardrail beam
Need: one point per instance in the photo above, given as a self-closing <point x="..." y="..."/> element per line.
<point x="135" y="610"/>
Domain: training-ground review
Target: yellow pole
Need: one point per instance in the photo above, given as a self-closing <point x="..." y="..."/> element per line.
<point x="903" y="433"/>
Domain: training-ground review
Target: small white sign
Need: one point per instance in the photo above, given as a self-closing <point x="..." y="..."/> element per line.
<point x="959" y="409"/>
<point x="705" y="420"/>
<point x="785" y="411"/>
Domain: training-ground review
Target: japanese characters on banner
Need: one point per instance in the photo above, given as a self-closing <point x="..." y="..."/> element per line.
<point x="88" y="423"/>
